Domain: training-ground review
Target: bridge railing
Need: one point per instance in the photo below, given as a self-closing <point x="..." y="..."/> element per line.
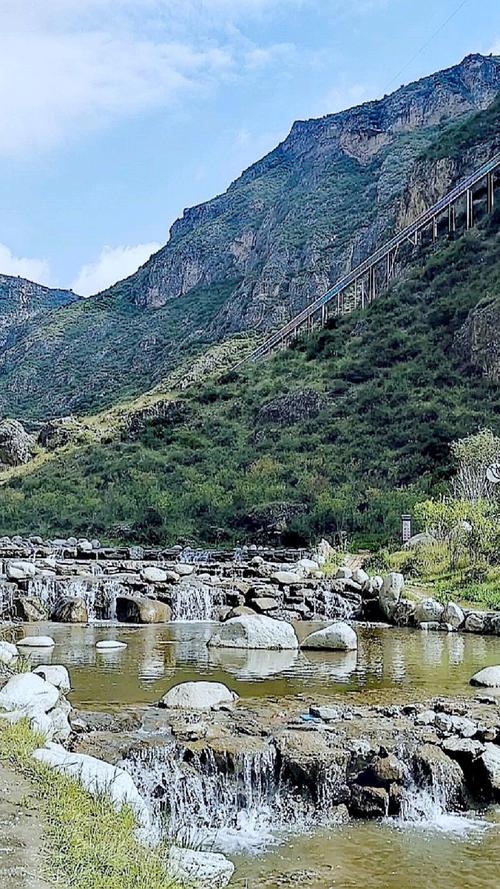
<point x="462" y="188"/>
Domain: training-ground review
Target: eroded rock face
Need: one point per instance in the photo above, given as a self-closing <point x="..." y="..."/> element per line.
<point x="478" y="340"/>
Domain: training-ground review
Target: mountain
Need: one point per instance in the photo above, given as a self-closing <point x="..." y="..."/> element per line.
<point x="245" y="261"/>
<point x="22" y="303"/>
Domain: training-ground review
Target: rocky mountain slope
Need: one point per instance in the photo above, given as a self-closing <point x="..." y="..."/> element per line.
<point x="247" y="260"/>
<point x="24" y="304"/>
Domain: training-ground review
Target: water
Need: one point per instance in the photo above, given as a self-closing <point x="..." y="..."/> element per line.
<point x="99" y="594"/>
<point x="196" y="602"/>
<point x="276" y="838"/>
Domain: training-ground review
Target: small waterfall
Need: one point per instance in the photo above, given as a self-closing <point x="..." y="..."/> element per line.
<point x="44" y="588"/>
<point x="99" y="597"/>
<point x="6" y="601"/>
<point x="330" y="605"/>
<point x="196" y="602"/>
<point x="195" y="556"/>
<point x="224" y="800"/>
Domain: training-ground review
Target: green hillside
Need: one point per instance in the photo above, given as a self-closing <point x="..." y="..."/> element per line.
<point x="342" y="432"/>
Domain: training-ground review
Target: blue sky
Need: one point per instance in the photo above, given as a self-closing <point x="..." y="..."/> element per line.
<point x="117" y="114"/>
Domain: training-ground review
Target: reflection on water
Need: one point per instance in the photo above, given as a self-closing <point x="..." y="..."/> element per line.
<point x="157" y="657"/>
<point x="380" y="856"/>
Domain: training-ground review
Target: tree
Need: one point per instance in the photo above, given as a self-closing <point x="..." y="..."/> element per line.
<point x="473" y="456"/>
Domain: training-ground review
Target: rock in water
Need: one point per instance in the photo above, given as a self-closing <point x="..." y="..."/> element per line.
<point x="71" y="611"/>
<point x="142" y="610"/>
<point x="390" y="593"/>
<point x="37" y="642"/>
<point x="8" y="652"/>
<point x="339" y="636"/>
<point x="192" y="869"/>
<point x="198" y="696"/>
<point x="491" y="762"/>
<point x="110" y="645"/>
<point x="256" y="631"/>
<point x="429" y="611"/>
<point x="30" y="609"/>
<point x="489" y="677"/>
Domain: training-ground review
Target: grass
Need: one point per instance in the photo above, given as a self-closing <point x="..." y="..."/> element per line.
<point x="88" y="844"/>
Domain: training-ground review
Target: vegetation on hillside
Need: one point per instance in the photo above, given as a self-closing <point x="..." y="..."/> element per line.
<point x="394" y="392"/>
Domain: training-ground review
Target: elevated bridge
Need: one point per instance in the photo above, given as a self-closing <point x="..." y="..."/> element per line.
<point x="359" y="287"/>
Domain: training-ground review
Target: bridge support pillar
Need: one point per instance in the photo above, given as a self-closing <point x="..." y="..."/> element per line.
<point x="491" y="192"/>
<point x="452" y="219"/>
<point x="470" y="208"/>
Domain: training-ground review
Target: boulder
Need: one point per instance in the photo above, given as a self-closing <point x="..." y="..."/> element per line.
<point x="36" y="642"/>
<point x="8" y="652"/>
<point x="453" y="615"/>
<point x="266" y="603"/>
<point x="464" y="750"/>
<point x="26" y="691"/>
<point x="71" y="610"/>
<point x="191" y="869"/>
<point x="154" y="575"/>
<point x="97" y="777"/>
<point x="198" y="696"/>
<point x="369" y="802"/>
<point x="360" y="576"/>
<point x="428" y="610"/>
<point x="16" y="445"/>
<point x="30" y="609"/>
<point x="488" y="677"/>
<point x="184" y="570"/>
<point x="256" y="631"/>
<point x="142" y="610"/>
<point x="338" y="636"/>
<point x="56" y="674"/>
<point x="110" y="645"/>
<point x="18" y="569"/>
<point x="434" y="767"/>
<point x="307" y="566"/>
<point x="84" y="545"/>
<point x="491" y="763"/>
<point x="239" y="611"/>
<point x="343" y="573"/>
<point x="390" y="593"/>
<point x="475" y="622"/>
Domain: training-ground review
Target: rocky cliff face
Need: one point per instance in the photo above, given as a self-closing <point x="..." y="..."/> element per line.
<point x="247" y="260"/>
<point x="478" y="341"/>
<point x="22" y="301"/>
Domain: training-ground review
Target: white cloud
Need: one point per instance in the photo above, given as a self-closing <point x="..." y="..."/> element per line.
<point x="112" y="265"/>
<point x="37" y="270"/>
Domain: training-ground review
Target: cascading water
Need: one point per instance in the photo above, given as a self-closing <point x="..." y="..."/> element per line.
<point x="226" y="801"/>
<point x="196" y="602"/>
<point x="6" y="601"/>
<point x="99" y="596"/>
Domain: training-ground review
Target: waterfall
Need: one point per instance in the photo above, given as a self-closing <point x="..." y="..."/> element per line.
<point x="99" y="595"/>
<point x="6" y="601"/>
<point x="44" y="588"/>
<point x="195" y="556"/>
<point x="196" y="602"/>
<point x="225" y="800"/>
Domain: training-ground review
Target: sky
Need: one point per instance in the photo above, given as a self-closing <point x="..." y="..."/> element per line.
<point x="117" y="114"/>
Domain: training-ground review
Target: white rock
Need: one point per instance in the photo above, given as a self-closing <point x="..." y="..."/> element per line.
<point x="255" y="631"/>
<point x="307" y="566"/>
<point x="28" y="691"/>
<point x="339" y="636"/>
<point x="173" y="575"/>
<point x="110" y="645"/>
<point x="360" y="576"/>
<point x="20" y="570"/>
<point x="428" y="610"/>
<point x="324" y="552"/>
<point x="183" y="570"/>
<point x="390" y="594"/>
<point x="287" y="578"/>
<point x="198" y="696"/>
<point x="453" y="615"/>
<point x="489" y="677"/>
<point x="36" y="642"/>
<point x="56" y="674"/>
<point x="491" y="761"/>
<point x="60" y="728"/>
<point x="191" y="869"/>
<point x="97" y="777"/>
<point x="8" y="652"/>
<point x="154" y="575"/>
<point x="85" y="545"/>
<point x="376" y="582"/>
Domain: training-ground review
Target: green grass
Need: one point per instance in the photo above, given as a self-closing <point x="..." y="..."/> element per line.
<point x="89" y="844"/>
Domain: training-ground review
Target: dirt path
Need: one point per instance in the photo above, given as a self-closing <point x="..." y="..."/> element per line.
<point x="21" y="834"/>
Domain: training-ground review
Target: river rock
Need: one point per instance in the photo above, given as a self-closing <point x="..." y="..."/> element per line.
<point x="191" y="869"/>
<point x="308" y="566"/>
<point x="155" y="575"/>
<point x="30" y="609"/>
<point x="56" y="674"/>
<point x="343" y="573"/>
<point x="256" y="631"/>
<point x="110" y="645"/>
<point x="71" y="610"/>
<point x="287" y="578"/>
<point x="390" y="593"/>
<point x="369" y="802"/>
<point x="489" y="677"/>
<point x="20" y="570"/>
<point x="36" y="642"/>
<point x="8" y="652"/>
<point x="360" y="576"/>
<point x="491" y="762"/>
<point x="475" y="622"/>
<point x="266" y="603"/>
<point x="464" y="750"/>
<point x="26" y="691"/>
<point x="338" y="636"/>
<point x="184" y="570"/>
<point x="142" y="610"/>
<point x="434" y="767"/>
<point x="428" y="611"/>
<point x="97" y="777"/>
<point x="453" y="615"/>
<point x="198" y="696"/>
